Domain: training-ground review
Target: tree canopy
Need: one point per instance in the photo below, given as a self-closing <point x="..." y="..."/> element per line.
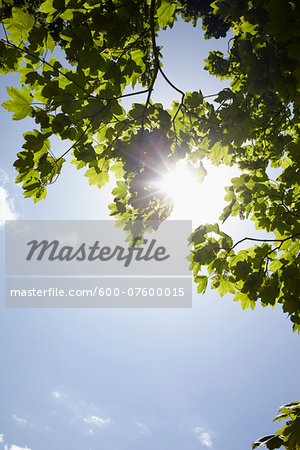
<point x="108" y="52"/>
<point x="78" y="59"/>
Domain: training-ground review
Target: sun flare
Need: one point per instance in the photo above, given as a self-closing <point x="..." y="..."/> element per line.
<point x="178" y="181"/>
<point x="198" y="201"/>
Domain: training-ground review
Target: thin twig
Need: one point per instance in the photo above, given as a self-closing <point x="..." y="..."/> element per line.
<point x="156" y="68"/>
<point x="25" y="49"/>
<point x="263" y="240"/>
<point x="211" y="95"/>
<point x="4" y="29"/>
<point x="155" y="51"/>
<point x="170" y="83"/>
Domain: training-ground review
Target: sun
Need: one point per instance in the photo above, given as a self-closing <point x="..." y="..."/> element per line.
<point x="179" y="181"/>
<point x="197" y="191"/>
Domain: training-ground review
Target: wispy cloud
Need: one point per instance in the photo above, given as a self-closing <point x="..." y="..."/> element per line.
<point x="1" y="438"/>
<point x="58" y="395"/>
<point x="76" y="411"/>
<point x="7" y="209"/>
<point x="19" y="420"/>
<point x="97" y="421"/>
<point x="205" y="437"/>
<point x="4" y="178"/>
<point x="143" y="428"/>
<point x="16" y="447"/>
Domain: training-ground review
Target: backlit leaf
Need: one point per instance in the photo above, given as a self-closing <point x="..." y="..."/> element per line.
<point x="20" y="103"/>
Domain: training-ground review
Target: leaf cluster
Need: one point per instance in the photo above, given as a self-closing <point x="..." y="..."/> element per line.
<point x="287" y="436"/>
<point x="108" y="52"/>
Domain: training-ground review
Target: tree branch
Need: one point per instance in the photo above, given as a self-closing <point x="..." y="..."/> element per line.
<point x="155" y="51"/>
<point x="156" y="67"/>
<point x="263" y="240"/>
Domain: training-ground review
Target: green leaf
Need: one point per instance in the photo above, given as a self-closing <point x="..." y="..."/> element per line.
<point x="271" y="442"/>
<point x="244" y="299"/>
<point x="121" y="190"/>
<point x="20" y="103"/>
<point x="118" y="169"/>
<point x="19" y="25"/>
<point x="194" y="99"/>
<point x="202" y="283"/>
<point x="94" y="107"/>
<point x="165" y="13"/>
<point x="242" y="270"/>
<point x="96" y="176"/>
<point x="50" y="43"/>
<point x="247" y="27"/>
<point x="47" y="7"/>
<point x="225" y="287"/>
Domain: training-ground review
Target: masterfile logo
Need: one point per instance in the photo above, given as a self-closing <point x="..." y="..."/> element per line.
<point x="95" y="248"/>
<point x="95" y="252"/>
<point x="97" y="264"/>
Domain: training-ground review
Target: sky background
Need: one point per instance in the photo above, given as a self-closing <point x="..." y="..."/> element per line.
<point x="209" y="377"/>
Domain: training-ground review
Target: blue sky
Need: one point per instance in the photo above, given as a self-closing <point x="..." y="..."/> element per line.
<point x="210" y="377"/>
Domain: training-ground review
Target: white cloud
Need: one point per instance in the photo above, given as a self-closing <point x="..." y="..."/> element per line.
<point x="4" y="178"/>
<point x="143" y="428"/>
<point x="7" y="210"/>
<point x="90" y="431"/>
<point x="1" y="438"/>
<point x="97" y="421"/>
<point x="86" y="415"/>
<point x="16" y="447"/>
<point x="205" y="437"/>
<point x="19" y="420"/>
<point x="58" y="395"/>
